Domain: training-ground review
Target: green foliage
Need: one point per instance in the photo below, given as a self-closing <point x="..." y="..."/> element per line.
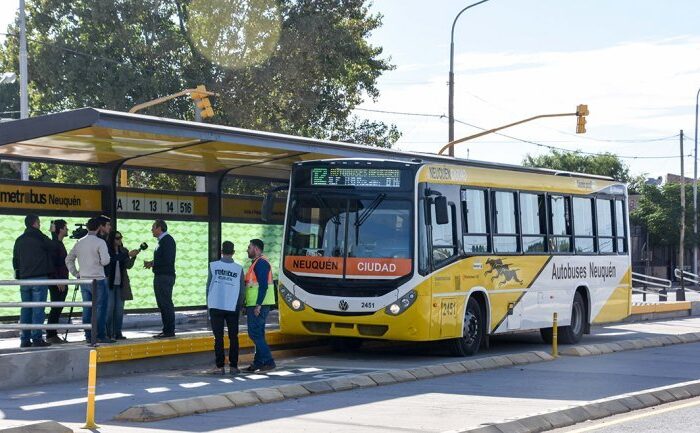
<point x="659" y="212"/>
<point x="290" y="66"/>
<point x="606" y="164"/>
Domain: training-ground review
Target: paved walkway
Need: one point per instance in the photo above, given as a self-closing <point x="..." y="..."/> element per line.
<point x="449" y="403"/>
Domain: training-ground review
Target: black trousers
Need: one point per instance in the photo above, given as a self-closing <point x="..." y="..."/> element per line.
<point x="230" y="318"/>
<point x="55" y="313"/>
<point x="163" y="289"/>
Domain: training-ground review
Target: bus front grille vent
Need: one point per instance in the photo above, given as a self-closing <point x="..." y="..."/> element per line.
<point x="318" y="327"/>
<point x="372" y="330"/>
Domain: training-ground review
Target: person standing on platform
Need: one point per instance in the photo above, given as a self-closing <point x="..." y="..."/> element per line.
<point x="59" y="230"/>
<point x="163" y="266"/>
<point x="92" y="255"/>
<point x="31" y="260"/>
<point x="119" y="284"/>
<point x="225" y="297"/>
<point x="259" y="296"/>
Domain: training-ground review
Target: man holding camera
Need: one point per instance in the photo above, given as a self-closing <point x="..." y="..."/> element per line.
<point x="31" y="261"/>
<point x="92" y="255"/>
<point x="163" y="266"/>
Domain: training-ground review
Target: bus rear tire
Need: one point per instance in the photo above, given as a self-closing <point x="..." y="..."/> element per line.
<point x="346" y="344"/>
<point x="569" y="334"/>
<point x="472" y="331"/>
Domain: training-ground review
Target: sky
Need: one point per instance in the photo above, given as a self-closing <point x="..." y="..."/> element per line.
<point x="635" y="63"/>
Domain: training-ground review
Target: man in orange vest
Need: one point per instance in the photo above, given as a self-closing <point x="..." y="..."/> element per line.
<point x="259" y="296"/>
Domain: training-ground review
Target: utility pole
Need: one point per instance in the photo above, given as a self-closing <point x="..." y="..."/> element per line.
<point x="680" y="293"/>
<point x="695" y="191"/>
<point x="23" y="79"/>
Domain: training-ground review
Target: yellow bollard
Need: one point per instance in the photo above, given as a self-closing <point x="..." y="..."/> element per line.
<point x="555" y="337"/>
<point x="92" y="379"/>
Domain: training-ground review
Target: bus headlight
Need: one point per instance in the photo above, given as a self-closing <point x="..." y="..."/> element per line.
<point x="402" y="304"/>
<point x="292" y="301"/>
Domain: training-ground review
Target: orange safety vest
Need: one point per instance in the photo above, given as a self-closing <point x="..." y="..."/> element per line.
<point x="252" y="287"/>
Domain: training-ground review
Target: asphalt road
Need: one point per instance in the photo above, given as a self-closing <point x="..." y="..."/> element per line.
<point x="449" y="403"/>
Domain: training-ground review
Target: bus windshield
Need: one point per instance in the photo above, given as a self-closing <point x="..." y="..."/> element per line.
<point x="349" y="238"/>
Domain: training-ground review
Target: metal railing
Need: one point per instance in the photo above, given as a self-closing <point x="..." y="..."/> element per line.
<point x="47" y="282"/>
<point x="650" y="285"/>
<point x="689" y="277"/>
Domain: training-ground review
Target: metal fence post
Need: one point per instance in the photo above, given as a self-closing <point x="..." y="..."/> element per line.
<point x="93" y="316"/>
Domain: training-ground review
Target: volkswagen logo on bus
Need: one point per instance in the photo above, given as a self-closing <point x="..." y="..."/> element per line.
<point x="343" y="305"/>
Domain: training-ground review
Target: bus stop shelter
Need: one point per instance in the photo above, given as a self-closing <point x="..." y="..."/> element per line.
<point x="110" y="141"/>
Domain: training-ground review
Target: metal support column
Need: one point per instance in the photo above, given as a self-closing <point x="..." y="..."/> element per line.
<point x="108" y="177"/>
<point x="212" y="183"/>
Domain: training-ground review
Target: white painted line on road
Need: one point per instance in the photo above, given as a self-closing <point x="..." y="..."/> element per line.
<point x="281" y="373"/>
<point x="157" y="390"/>
<point x="226" y="380"/>
<point x="240" y="379"/>
<point x="256" y="376"/>
<point x="73" y="401"/>
<point x="653" y="412"/>
<point x="194" y="385"/>
<point x="309" y="370"/>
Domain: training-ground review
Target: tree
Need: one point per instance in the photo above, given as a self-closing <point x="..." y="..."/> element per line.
<point x="606" y="164"/>
<point x="291" y="66"/>
<point x="659" y="211"/>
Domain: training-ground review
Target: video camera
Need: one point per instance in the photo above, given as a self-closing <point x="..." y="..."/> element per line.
<point x="80" y="232"/>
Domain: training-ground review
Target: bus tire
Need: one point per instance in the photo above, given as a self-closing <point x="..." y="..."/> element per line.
<point x="346" y="344"/>
<point x="472" y="331"/>
<point x="570" y="334"/>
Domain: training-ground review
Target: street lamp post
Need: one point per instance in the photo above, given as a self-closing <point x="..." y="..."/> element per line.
<point x="451" y="108"/>
<point x="695" y="191"/>
<point x="23" y="79"/>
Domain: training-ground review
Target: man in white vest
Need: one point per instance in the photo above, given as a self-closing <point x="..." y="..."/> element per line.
<point x="225" y="297"/>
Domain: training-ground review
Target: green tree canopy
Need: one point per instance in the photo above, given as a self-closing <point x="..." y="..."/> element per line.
<point x="659" y="211"/>
<point x="290" y="66"/>
<point x="605" y="164"/>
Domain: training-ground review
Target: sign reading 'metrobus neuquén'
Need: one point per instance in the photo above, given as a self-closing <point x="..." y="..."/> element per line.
<point x="49" y="198"/>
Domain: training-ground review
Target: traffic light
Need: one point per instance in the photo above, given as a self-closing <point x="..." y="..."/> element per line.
<point x="581" y="113"/>
<point x="202" y="102"/>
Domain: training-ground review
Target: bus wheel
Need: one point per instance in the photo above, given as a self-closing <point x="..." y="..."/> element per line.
<point x="569" y="334"/>
<point x="472" y="331"/>
<point x="340" y="344"/>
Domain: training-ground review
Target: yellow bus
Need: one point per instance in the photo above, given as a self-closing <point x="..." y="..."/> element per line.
<point x="422" y="251"/>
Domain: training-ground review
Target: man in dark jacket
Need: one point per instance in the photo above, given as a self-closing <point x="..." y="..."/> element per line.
<point x="31" y="260"/>
<point x="59" y="230"/>
<point x="163" y="266"/>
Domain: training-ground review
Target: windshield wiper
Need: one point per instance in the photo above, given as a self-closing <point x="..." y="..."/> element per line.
<point x="368" y="211"/>
<point x="335" y="216"/>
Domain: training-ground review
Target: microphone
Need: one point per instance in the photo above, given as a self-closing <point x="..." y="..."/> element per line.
<point x="144" y="246"/>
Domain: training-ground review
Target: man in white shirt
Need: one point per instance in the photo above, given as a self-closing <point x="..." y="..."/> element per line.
<point x="92" y="255"/>
<point x="225" y="297"/>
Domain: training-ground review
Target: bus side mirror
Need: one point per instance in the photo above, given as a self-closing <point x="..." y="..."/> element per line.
<point x="442" y="215"/>
<point x="267" y="207"/>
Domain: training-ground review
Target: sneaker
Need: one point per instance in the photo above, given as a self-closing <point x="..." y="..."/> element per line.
<point x="55" y="340"/>
<point x="106" y="340"/>
<point x="267" y="367"/>
<point x="218" y="371"/>
<point x="252" y="368"/>
<point x="234" y="371"/>
<point x="40" y="343"/>
<point x="164" y="335"/>
<point x="120" y="337"/>
<point x="25" y="343"/>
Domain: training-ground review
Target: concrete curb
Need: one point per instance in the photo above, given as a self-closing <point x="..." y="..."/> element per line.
<point x="594" y="410"/>
<point x="634" y="344"/>
<point x="42" y="427"/>
<point x="191" y="406"/>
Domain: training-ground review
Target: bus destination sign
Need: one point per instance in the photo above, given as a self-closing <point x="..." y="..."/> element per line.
<point x="363" y="177"/>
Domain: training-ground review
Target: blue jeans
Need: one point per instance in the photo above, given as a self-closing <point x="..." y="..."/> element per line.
<point x="102" y="301"/>
<point x="115" y="312"/>
<point x="33" y="316"/>
<point x="256" y="332"/>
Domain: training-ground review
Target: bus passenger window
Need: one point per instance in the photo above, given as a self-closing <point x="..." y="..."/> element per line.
<point x="560" y="224"/>
<point x="505" y="239"/>
<point x="474" y="208"/>
<point x="620" y="234"/>
<point x="532" y="222"/>
<point x="604" y="213"/>
<point x="583" y="225"/>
